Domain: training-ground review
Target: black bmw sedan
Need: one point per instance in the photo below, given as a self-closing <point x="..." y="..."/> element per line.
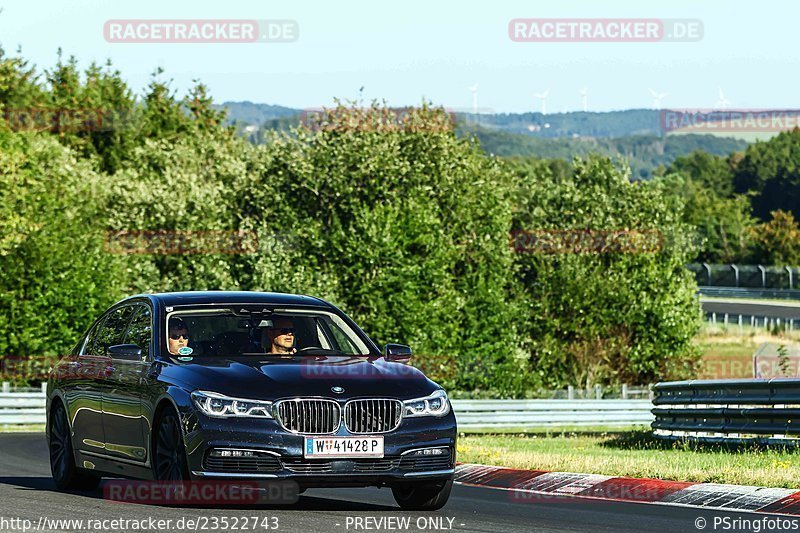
<point x="247" y="386"/>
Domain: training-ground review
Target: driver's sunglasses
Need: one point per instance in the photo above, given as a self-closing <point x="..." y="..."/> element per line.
<point x="176" y="336"/>
<point x="284" y="331"/>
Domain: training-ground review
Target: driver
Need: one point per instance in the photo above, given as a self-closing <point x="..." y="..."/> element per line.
<point x="178" y="335"/>
<point x="278" y="339"/>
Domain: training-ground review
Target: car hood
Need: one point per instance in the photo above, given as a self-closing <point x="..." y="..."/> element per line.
<point x="273" y="377"/>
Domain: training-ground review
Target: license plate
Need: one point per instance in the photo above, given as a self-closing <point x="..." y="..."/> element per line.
<point x="343" y="447"/>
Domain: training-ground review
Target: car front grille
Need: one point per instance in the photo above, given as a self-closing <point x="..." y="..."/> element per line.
<point x="372" y="416"/>
<point x="426" y="462"/>
<point x="309" y="416"/>
<point x="305" y="466"/>
<point x="260" y="463"/>
<point x="376" y="465"/>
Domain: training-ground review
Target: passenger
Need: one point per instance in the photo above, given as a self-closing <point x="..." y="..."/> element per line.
<point x="178" y="335"/>
<point x="278" y="339"/>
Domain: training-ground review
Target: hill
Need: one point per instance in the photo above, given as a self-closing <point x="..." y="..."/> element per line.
<point x="634" y="134"/>
<point x="643" y="152"/>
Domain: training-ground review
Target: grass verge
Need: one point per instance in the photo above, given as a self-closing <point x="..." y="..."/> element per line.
<point x="636" y="454"/>
<point x="12" y="428"/>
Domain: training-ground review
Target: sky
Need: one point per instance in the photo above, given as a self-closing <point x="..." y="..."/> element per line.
<point x="436" y="50"/>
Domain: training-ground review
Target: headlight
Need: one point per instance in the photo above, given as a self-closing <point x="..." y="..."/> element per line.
<point x="434" y="405"/>
<point x="221" y="406"/>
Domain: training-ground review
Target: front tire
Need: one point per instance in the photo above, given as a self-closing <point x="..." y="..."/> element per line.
<point x="423" y="497"/>
<point x="62" y="459"/>
<point x="169" y="456"/>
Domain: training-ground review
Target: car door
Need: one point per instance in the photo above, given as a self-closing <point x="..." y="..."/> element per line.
<point x="122" y="406"/>
<point x="84" y="391"/>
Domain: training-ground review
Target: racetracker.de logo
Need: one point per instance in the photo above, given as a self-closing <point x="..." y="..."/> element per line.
<point x="586" y="241"/>
<point x="200" y="31"/>
<point x="729" y="120"/>
<point x="201" y="492"/>
<point x="368" y="119"/>
<point x="589" y="30"/>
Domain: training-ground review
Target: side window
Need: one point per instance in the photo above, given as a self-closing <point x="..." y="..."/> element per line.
<point x="88" y="348"/>
<point x="141" y="329"/>
<point x="323" y="339"/>
<point x="340" y="339"/>
<point x="113" y="329"/>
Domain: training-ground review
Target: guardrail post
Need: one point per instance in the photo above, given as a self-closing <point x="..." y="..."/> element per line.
<point x="44" y="387"/>
<point x="741" y="331"/>
<point x="570" y="392"/>
<point x="6" y="387"/>
<point x="789" y="270"/>
<point x="763" y="276"/>
<point x="714" y="318"/>
<point x="736" y="274"/>
<point x="650" y="393"/>
<point x="624" y="391"/>
<point x="726" y="322"/>
<point x="708" y="273"/>
<point x="598" y="392"/>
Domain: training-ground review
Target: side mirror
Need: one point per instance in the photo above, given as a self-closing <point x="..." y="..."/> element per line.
<point x="126" y="352"/>
<point x="397" y="352"/>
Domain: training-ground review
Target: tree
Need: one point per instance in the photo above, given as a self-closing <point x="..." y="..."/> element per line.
<point x="771" y="171"/>
<point x="721" y="218"/>
<point x="778" y="241"/>
<point x="408" y="225"/>
<point x="601" y="312"/>
<point x="57" y="276"/>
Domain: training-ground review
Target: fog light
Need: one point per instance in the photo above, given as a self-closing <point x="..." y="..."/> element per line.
<point x="429" y="451"/>
<point x="232" y="453"/>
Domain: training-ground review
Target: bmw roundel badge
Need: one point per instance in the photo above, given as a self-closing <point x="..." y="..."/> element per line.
<point x="337" y="389"/>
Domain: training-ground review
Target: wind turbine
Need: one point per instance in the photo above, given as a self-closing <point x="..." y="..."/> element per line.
<point x="723" y="102"/>
<point x="543" y="98"/>
<point x="474" y="91"/>
<point x="584" y="98"/>
<point x="657" y="97"/>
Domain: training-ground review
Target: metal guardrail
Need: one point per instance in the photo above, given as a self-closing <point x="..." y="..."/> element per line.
<point x="507" y="414"/>
<point x="19" y="408"/>
<point x="745" y="276"/>
<point x="733" y="292"/>
<point x="728" y="410"/>
<point x="29" y="408"/>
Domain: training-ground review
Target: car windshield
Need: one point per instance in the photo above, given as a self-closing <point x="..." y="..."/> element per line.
<point x="250" y="331"/>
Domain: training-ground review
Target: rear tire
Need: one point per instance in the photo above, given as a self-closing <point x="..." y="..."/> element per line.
<point x="62" y="459"/>
<point x="423" y="496"/>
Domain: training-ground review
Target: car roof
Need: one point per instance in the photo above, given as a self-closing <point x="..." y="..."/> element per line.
<point x="168" y="299"/>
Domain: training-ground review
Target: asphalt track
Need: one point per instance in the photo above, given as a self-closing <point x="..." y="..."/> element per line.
<point x="27" y="492"/>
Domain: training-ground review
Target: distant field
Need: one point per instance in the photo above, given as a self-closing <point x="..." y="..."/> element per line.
<point x="726" y="360"/>
<point x="731" y="356"/>
<point x="635" y="454"/>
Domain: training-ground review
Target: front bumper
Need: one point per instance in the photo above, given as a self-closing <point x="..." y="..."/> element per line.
<point x="281" y="453"/>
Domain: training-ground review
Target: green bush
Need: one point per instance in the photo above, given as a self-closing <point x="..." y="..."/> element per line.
<point x="406" y="227"/>
<point x="56" y="276"/>
<point x="601" y="316"/>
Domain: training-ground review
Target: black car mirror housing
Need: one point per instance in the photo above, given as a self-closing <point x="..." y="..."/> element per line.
<point x="126" y="352"/>
<point x="397" y="352"/>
